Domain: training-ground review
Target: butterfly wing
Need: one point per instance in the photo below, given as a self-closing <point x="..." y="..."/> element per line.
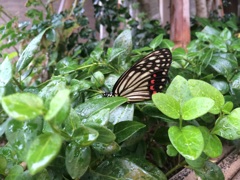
<point x="145" y="77"/>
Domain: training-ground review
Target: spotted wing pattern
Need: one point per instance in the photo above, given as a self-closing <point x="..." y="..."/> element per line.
<point x="146" y="77"/>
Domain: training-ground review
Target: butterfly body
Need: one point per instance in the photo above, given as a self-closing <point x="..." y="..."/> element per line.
<point x="146" y="77"/>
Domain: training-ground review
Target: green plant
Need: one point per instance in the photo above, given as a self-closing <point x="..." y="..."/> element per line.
<point x="63" y="128"/>
<point x="213" y="57"/>
<point x="193" y="105"/>
<point x="51" y="121"/>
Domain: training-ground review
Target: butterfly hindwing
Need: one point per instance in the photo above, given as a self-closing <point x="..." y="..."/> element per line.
<point x="146" y="77"/>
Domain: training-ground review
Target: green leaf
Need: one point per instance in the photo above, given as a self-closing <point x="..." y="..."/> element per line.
<point x="50" y="88"/>
<point x="67" y="65"/>
<point x="42" y="151"/>
<point x="123" y="168"/>
<point x="221" y="84"/>
<point x="156" y="41"/>
<point x="211" y="31"/>
<point x="226" y="34"/>
<point x="179" y="54"/>
<point x="188" y="141"/>
<point x="59" y="106"/>
<point x="199" y="162"/>
<point x="167" y="43"/>
<point x="77" y="160"/>
<point x="171" y="151"/>
<point x="122" y="113"/>
<point x="200" y="88"/>
<point x="218" y="43"/>
<point x="93" y="106"/>
<point x="97" y="79"/>
<point x="3" y="164"/>
<point x="228" y="127"/>
<point x="85" y="136"/>
<point x="106" y="149"/>
<point x="122" y="46"/>
<point x="23" y="106"/>
<point x="29" y="52"/>
<point x="196" y="107"/>
<point x="20" y="134"/>
<point x="212" y="144"/>
<point x="124" y="130"/>
<point x="210" y="171"/>
<point x="101" y="117"/>
<point x="224" y="63"/>
<point x="14" y="172"/>
<point x="179" y="90"/>
<point x="167" y="105"/>
<point x="105" y="135"/>
<point x="72" y="122"/>
<point x="5" y="72"/>
<point x="115" y="53"/>
<point x="206" y="58"/>
<point x="227" y="108"/>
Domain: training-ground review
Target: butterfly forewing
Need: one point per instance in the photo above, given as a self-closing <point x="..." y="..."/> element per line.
<point x="146" y="77"/>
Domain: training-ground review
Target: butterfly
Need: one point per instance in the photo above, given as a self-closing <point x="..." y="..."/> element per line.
<point x="146" y="77"/>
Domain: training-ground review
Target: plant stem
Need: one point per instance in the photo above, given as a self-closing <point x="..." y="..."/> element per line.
<point x="180" y="165"/>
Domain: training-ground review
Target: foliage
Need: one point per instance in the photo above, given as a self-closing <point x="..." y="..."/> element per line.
<point x="61" y="127"/>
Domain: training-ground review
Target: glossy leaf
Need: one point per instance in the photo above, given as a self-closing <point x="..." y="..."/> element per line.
<point x="206" y="59"/>
<point x="227" y="108"/>
<point x="210" y="171"/>
<point x="188" y="141"/>
<point x="156" y="41"/>
<point x="212" y="144"/>
<point x="105" y="135"/>
<point x="123" y="44"/>
<point x="167" y="105"/>
<point x="101" y="117"/>
<point x="124" y="130"/>
<point x="60" y="104"/>
<point x="224" y="64"/>
<point x="106" y="149"/>
<point x="199" y="162"/>
<point x="196" y="107"/>
<point x="29" y="52"/>
<point x="23" y="106"/>
<point x="202" y="89"/>
<point x="85" y="136"/>
<point x="77" y="160"/>
<point x="93" y="106"/>
<point x="20" y="134"/>
<point x="122" y="113"/>
<point x="179" y="90"/>
<point x="42" y="151"/>
<point x="221" y="85"/>
<point x="5" y="72"/>
<point x="228" y="127"/>
<point x="122" y="168"/>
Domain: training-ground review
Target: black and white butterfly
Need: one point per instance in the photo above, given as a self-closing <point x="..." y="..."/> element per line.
<point x="146" y="77"/>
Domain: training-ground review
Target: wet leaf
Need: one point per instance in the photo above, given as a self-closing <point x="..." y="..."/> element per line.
<point x="42" y="151"/>
<point x="196" y="107"/>
<point x="167" y="105"/>
<point x="23" y="106"/>
<point x="77" y="160"/>
<point x="188" y="141"/>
